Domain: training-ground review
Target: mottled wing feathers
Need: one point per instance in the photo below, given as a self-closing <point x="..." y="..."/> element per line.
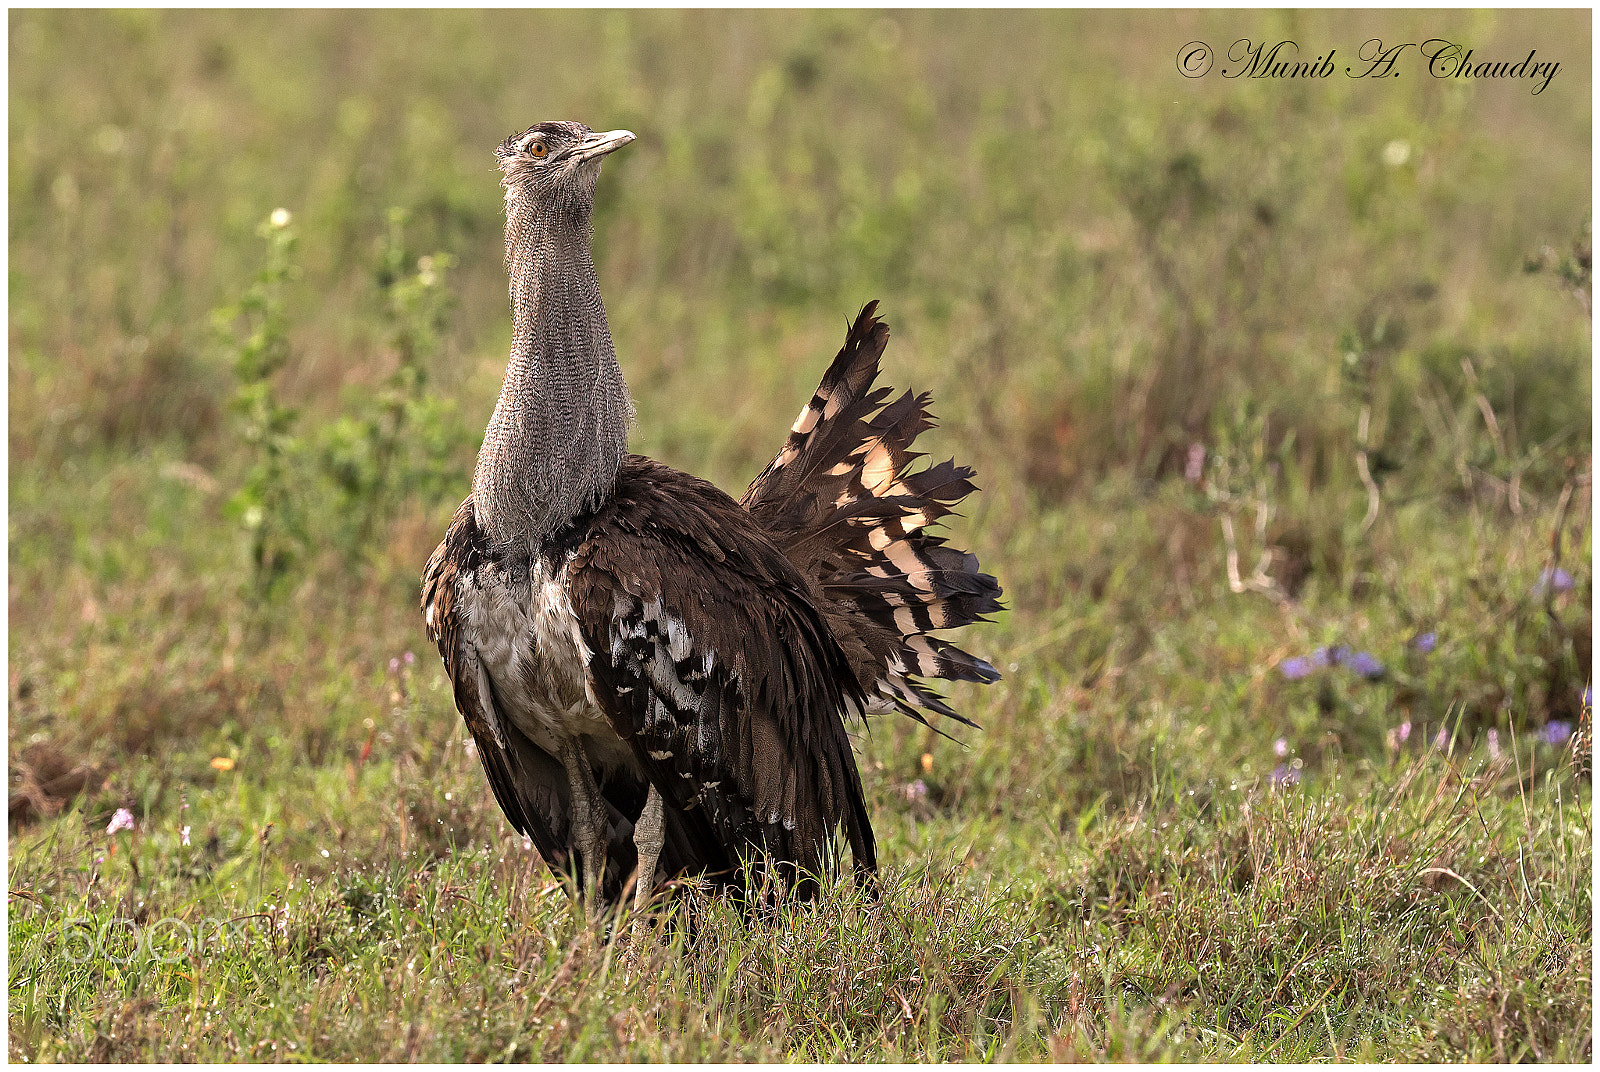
<point x="710" y="658"/>
<point x="843" y="503"/>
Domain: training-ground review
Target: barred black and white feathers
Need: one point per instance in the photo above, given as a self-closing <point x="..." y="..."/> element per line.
<point x="841" y="500"/>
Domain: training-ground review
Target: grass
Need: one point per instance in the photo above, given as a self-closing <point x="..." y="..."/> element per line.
<point x="1169" y="322"/>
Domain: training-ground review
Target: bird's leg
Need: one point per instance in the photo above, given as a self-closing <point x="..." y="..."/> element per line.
<point x="588" y="817"/>
<point x="648" y="836"/>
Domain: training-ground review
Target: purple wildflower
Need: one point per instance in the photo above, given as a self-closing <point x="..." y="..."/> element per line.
<point x="1552" y="580"/>
<point x="1283" y="774"/>
<point x="410" y="658"/>
<point x="122" y="820"/>
<point x="1441" y="740"/>
<point x="1425" y="642"/>
<point x="1363" y="663"/>
<point x="1494" y="744"/>
<point x="1280" y="747"/>
<point x="1555" y="731"/>
<point x="394" y="665"/>
<point x="1405" y="731"/>
<point x="1588" y="702"/>
<point x="1359" y="662"/>
<point x="1296" y="668"/>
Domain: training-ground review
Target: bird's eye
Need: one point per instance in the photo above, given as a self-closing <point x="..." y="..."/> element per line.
<point x="537" y="150"/>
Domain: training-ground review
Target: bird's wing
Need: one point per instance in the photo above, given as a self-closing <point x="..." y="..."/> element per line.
<point x="528" y="782"/>
<point x="710" y="657"/>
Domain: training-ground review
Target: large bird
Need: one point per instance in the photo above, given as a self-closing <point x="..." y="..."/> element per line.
<point x="657" y="677"/>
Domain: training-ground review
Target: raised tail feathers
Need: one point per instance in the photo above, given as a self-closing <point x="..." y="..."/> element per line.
<point x="841" y="500"/>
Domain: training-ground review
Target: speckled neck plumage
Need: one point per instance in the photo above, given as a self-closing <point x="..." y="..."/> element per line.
<point x="560" y="429"/>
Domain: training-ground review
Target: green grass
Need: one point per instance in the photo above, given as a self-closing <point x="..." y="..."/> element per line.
<point x="1158" y="847"/>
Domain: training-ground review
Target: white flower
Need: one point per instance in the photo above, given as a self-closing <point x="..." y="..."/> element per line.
<point x="1397" y="152"/>
<point x="280" y="217"/>
<point x="185" y="835"/>
<point x="122" y="820"/>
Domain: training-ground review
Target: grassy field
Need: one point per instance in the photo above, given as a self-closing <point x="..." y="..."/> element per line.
<point x="1280" y="396"/>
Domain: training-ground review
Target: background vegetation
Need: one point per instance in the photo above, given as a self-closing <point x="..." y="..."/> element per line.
<point x="1280" y="396"/>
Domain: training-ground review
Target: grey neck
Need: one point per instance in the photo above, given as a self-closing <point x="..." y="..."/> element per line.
<point x="560" y="430"/>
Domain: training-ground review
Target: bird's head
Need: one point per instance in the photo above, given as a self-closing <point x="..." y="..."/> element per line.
<point x="555" y="165"/>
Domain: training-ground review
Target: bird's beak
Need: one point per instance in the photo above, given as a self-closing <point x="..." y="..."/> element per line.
<point x="598" y="145"/>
